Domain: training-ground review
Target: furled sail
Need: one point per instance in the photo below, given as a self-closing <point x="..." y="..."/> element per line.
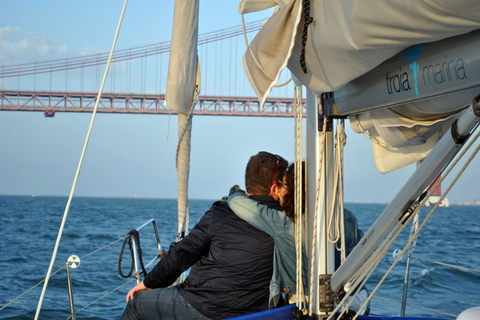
<point x="327" y="44"/>
<point x="182" y="82"/>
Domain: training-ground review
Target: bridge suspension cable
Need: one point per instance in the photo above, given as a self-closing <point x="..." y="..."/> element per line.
<point x="120" y="55"/>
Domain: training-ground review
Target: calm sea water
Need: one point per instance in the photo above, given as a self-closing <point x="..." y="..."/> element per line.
<point x="30" y="225"/>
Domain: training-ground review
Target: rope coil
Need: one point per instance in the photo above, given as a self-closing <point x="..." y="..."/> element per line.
<point x="128" y="238"/>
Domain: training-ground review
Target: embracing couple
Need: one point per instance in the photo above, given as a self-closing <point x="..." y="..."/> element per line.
<point x="241" y="253"/>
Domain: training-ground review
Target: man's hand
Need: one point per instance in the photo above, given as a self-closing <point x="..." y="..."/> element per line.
<point x="138" y="287"/>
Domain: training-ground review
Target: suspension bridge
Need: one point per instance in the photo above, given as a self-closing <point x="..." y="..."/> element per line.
<point x="137" y="79"/>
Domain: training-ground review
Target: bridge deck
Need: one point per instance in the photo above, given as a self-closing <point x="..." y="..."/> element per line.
<point x="51" y="102"/>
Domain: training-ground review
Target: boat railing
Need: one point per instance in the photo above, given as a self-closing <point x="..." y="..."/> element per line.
<point x="135" y="250"/>
<point x="136" y="255"/>
<point x="74" y="262"/>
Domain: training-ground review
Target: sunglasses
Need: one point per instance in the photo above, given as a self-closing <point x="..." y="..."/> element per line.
<point x="276" y="168"/>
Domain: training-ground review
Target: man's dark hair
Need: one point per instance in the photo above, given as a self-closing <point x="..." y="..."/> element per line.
<point x="264" y="170"/>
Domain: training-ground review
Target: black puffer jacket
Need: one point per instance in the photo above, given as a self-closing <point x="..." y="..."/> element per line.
<point x="232" y="264"/>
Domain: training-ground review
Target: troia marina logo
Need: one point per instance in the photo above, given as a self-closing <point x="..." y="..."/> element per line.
<point x="429" y="74"/>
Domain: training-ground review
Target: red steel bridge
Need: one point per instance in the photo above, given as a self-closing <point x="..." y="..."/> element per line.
<point x="51" y="102"/>
<point x="71" y="84"/>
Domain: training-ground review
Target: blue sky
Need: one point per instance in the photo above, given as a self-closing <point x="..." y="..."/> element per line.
<point x="135" y="154"/>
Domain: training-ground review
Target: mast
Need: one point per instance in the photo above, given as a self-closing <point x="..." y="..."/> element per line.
<point x="320" y="169"/>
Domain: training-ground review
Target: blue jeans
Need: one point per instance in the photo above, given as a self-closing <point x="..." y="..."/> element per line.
<point x="162" y="303"/>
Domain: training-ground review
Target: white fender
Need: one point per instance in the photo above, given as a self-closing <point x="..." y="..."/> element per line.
<point x="470" y="314"/>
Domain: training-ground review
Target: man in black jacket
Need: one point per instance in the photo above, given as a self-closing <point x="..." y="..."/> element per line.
<point x="230" y="260"/>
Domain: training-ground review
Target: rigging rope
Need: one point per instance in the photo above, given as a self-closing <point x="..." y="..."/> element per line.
<point x="246" y="42"/>
<point x="335" y="213"/>
<point x="186" y="125"/>
<point x="187" y="121"/>
<point x="367" y="269"/>
<point x="284" y="84"/>
<point x="80" y="164"/>
<point x="58" y="270"/>
<point x="182" y="277"/>
<point x="30" y="289"/>
<point x="369" y="266"/>
<point x="417" y="208"/>
<point x="244" y="30"/>
<point x="107" y="294"/>
<point x="447" y="264"/>
<point x="300" y="295"/>
<point x="412" y="233"/>
<point x="63" y="267"/>
<point x="316" y="219"/>
<point x="342" y="140"/>
<point x="183" y="227"/>
<point x="416" y="305"/>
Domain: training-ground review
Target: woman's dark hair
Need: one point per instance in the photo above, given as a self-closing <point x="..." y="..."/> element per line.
<point x="264" y="170"/>
<point x="289" y="198"/>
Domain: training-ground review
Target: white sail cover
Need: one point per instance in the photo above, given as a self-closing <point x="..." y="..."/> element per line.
<point x="348" y="38"/>
<point x="183" y="78"/>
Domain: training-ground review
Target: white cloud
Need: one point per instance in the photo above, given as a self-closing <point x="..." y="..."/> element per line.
<point x="87" y="51"/>
<point x="17" y="47"/>
<point x="9" y="32"/>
